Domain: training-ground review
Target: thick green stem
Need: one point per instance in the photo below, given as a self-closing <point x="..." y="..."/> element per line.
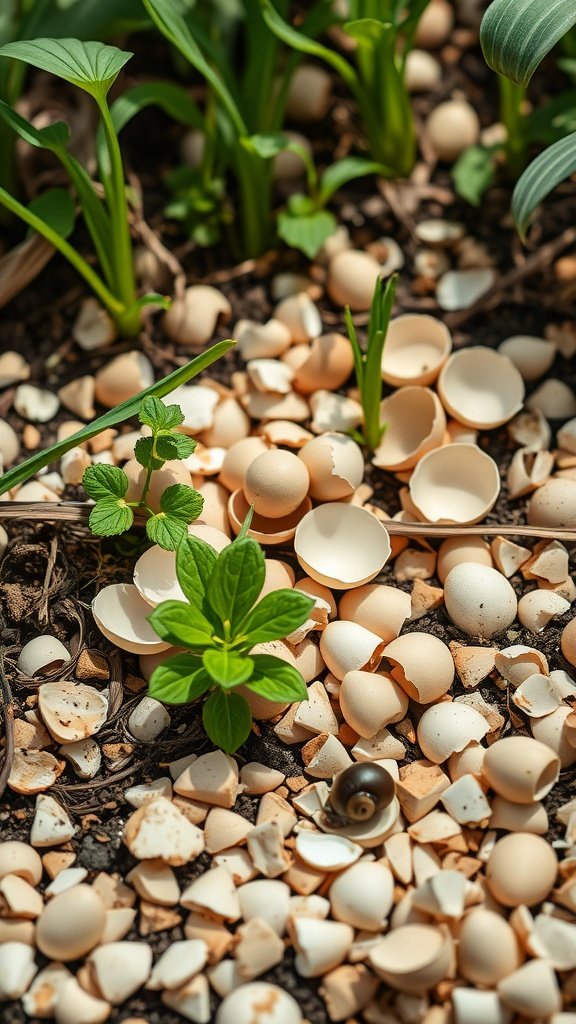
<point x="385" y="105"/>
<point x="512" y="97"/>
<point x="255" y="181"/>
<point x="121" y="243"/>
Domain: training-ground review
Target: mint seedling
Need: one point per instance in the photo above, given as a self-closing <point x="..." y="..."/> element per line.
<point x="108" y="485"/>
<point x="219" y="627"/>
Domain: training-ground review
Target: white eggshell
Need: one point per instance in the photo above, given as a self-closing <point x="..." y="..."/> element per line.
<point x="531" y="356"/>
<point x="481" y="388"/>
<point x="447" y="728"/>
<point x="272" y="1004"/>
<point x="521" y="769"/>
<point x="340" y="545"/>
<point x="479" y="600"/>
<point x="71" y="924"/>
<point x="363" y="895"/>
<point x="121" y="614"/>
<point x="422" y="665"/>
<point x="416" y="348"/>
<point x="457" y="483"/>
<point x="335" y="465"/>
<point x="521" y="869"/>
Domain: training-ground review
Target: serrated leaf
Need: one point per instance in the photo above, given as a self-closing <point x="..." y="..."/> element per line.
<point x="91" y="66"/>
<point x="179" y="680"/>
<point x="182" y="625"/>
<point x="153" y="413"/>
<point x="181" y="502"/>
<point x="227" y="719"/>
<point x="545" y="172"/>
<point x="227" y="668"/>
<point x="276" y="615"/>
<point x="105" y="482"/>
<point x="166" y="531"/>
<point x="516" y="35"/>
<point x="53" y="137"/>
<point x="473" y="173"/>
<point x="195" y="561"/>
<point x="306" y="233"/>
<point x="174" y="446"/>
<point x="276" y="680"/>
<point x="55" y="207"/>
<point x="110" y="516"/>
<point x="143" y="450"/>
<point x="236" y="581"/>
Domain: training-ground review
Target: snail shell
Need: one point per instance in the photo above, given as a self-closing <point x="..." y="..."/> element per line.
<point x="358" y="793"/>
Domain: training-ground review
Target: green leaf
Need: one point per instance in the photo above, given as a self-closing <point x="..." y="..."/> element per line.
<point x="181" y="502"/>
<point x="306" y="233"/>
<point x="369" y="30"/>
<point x="516" y="35"/>
<point x="143" y="453"/>
<point x="276" y="679"/>
<point x="19" y="474"/>
<point x="155" y="414"/>
<point x="105" y="482"/>
<point x="342" y="171"/>
<point x="267" y="144"/>
<point x="276" y="615"/>
<point x="171" y="98"/>
<point x="179" y="680"/>
<point x="110" y="516"/>
<point x="195" y="561"/>
<point x="54" y="137"/>
<point x="553" y="120"/>
<point x="473" y="173"/>
<point x="174" y="446"/>
<point x="56" y="208"/>
<point x="165" y="531"/>
<point x="181" y="624"/>
<point x="91" y="66"/>
<point x="227" y="668"/>
<point x="236" y="581"/>
<point x="545" y="172"/>
<point x="227" y="720"/>
<point x="301" y="42"/>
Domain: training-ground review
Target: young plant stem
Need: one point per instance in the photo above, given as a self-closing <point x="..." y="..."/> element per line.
<point x="255" y="181"/>
<point x="512" y="97"/>
<point x="367" y="365"/>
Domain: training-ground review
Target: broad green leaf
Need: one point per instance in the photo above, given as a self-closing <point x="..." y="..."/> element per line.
<point x="155" y="414"/>
<point x="181" y="624"/>
<point x="90" y="19"/>
<point x="110" y="516"/>
<point x="545" y="172"/>
<point x="342" y="171"/>
<point x="236" y="581"/>
<point x="181" y="502"/>
<point x="227" y="668"/>
<point x="306" y="233"/>
<point x="473" y="173"/>
<point x="516" y="35"/>
<point x="54" y="136"/>
<point x="553" y="120"/>
<point x="368" y="30"/>
<point x="227" y="720"/>
<point x="276" y="679"/>
<point x="167" y="532"/>
<point x="174" y="446"/>
<point x="56" y="208"/>
<point x="120" y="413"/>
<point x="91" y="66"/>
<point x="267" y="144"/>
<point x="276" y="615"/>
<point x="171" y="98"/>
<point x="105" y="482"/>
<point x="143" y="453"/>
<point x="179" y="680"/>
<point x="195" y="561"/>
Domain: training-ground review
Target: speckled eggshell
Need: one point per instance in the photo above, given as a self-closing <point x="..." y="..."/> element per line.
<point x="479" y="600"/>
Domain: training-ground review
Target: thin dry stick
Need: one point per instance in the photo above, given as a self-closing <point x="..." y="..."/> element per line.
<point x="75" y="512"/>
<point x="8" y="712"/>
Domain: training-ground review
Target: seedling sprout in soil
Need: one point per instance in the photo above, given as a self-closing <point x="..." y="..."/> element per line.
<point x="367" y="365"/>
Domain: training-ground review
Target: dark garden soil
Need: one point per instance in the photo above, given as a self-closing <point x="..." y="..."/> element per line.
<point x="52" y="570"/>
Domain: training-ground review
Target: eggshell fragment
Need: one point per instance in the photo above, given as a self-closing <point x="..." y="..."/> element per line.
<point x="122" y="616"/>
<point x="335" y="465"/>
<point x="455" y="550"/>
<point x="332" y="411"/>
<point x="346" y="646"/>
<point x="159" y="829"/>
<point x="518" y="662"/>
<point x="521" y="870"/>
<point x="435" y="25"/>
<point x="33" y="771"/>
<point x="514" y="817"/>
<point x="276" y="483"/>
<point x="447" y="728"/>
<point x="479" y="600"/>
<point x="326" y="852"/>
<point x="122" y="378"/>
<point x="267" y="898"/>
<point x="72" y="711"/>
<point x="508" y="556"/>
<point x="553" y="731"/>
<point x="71" y="924"/>
<point x="480" y="388"/>
<point x="363" y="895"/>
<point x="371" y="700"/>
<point x="422" y="666"/>
<point x="531" y="356"/>
<point x="536" y="609"/>
<point x="458" y="483"/>
<point x="328" y="365"/>
<point x="148" y="719"/>
<point x="521" y="769"/>
<point x="272" y="1004"/>
<point x="379" y="608"/>
<point x="412" y="958"/>
<point x="41" y="998"/>
<point x="342" y="546"/>
<point x="554" y="399"/>
<point x="264" y="529"/>
<point x="192" y="319"/>
<point x="42" y="655"/>
<point x="76" y="1006"/>
<point x="51" y="825"/>
<point x="416" y="425"/>
<point x="532" y="990"/>
<point x="320" y="945"/>
<point x="352" y="275"/>
<point x="416" y="348"/>
<point x="17" y="858"/>
<point x="300" y="315"/>
<point x="536" y="697"/>
<point x="17" y="969"/>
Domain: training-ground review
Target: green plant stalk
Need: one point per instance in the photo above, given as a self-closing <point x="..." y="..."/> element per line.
<point x="255" y="183"/>
<point x="395" y="144"/>
<point x="512" y="97"/>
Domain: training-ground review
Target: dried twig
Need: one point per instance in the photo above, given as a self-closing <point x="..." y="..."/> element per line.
<point x="8" y="710"/>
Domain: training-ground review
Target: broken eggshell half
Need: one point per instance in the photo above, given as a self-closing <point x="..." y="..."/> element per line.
<point x="481" y="388"/>
<point x="342" y="546"/>
<point x="417" y="346"/>
<point x="266" y="531"/>
<point x="458" y="483"/>
<point x="121" y="614"/>
<point x="415" y="425"/>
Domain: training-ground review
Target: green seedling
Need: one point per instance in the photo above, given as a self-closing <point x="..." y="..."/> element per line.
<point x="180" y="504"/>
<point x="367" y="365"/>
<point x="119" y="414"/>
<point x="92" y="67"/>
<point x="219" y="626"/>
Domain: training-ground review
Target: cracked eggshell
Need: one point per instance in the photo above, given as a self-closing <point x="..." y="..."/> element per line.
<point x="413" y="957"/>
<point x="328" y="365"/>
<point x="554" y="399"/>
<point x="371" y="700"/>
<point x="377" y="607"/>
<point x="553" y="504"/>
<point x="259" y="1003"/>
<point x="457" y="483"/>
<point x="9" y="443"/>
<point x="346" y="647"/>
<point x="521" y="769"/>
<point x="342" y="546"/>
<point x="536" y="609"/>
<point x="455" y="550"/>
<point x="71" y="924"/>
<point x="531" y="356"/>
<point x="532" y="990"/>
<point x="481" y="388"/>
<point x="266" y="530"/>
<point x="537" y="696"/>
<point x="320" y="945"/>
<point x="553" y="731"/>
<point x="121" y="614"/>
<point x="352" y="275"/>
<point x="71" y="711"/>
<point x="479" y="600"/>
<point x="192" y="319"/>
<point x="229" y="424"/>
<point x="417" y="347"/>
<point x="448" y="728"/>
<point x="416" y="424"/>
<point x="17" y="969"/>
<point x="326" y="852"/>
<point x="238" y="458"/>
<point x="276" y="483"/>
<point x="42" y="655"/>
<point x="76" y="1006"/>
<point x="17" y="858"/>
<point x="521" y="870"/>
<point x="518" y="662"/>
<point x="422" y="665"/>
<point x="301" y="316"/>
<point x="122" y="378"/>
<point x="488" y="948"/>
<point x="35" y="404"/>
<point x="335" y="464"/>
<point x="362" y="896"/>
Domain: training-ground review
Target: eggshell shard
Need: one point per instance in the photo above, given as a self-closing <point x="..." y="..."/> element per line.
<point x="413" y="958"/>
<point x="377" y="607"/>
<point x="521" y="870"/>
<point x="229" y="424"/>
<point x="447" y="728"/>
<point x="341" y="546"/>
<point x="416" y="425"/>
<point x="536" y="609"/>
<point x="333" y="412"/>
<point x="278" y="530"/>
<point x="17" y="858"/>
<point x="335" y="465"/>
<point x="300" y="315"/>
<point x="352" y="275"/>
<point x="326" y="852"/>
<point x="346" y="646"/>
<point x="532" y="990"/>
<point x="518" y="662"/>
<point x="121" y="615"/>
<point x="554" y="399"/>
<point x="71" y="924"/>
<point x="521" y="769"/>
<point x="455" y="550"/>
<point x="481" y="388"/>
<point x="193" y="319"/>
<point x="276" y="483"/>
<point x="320" y="945"/>
<point x="272" y="1004"/>
<point x="553" y="504"/>
<point x="369" y="701"/>
<point x="416" y="348"/>
<point x="362" y="896"/>
<point x="422" y="665"/>
<point x="328" y="365"/>
<point x="42" y="655"/>
<point x="72" y="711"/>
<point x="122" y="378"/>
<point x="554" y="732"/>
<point x="531" y="356"/>
<point x="458" y="483"/>
<point x="479" y="600"/>
<point x="537" y="696"/>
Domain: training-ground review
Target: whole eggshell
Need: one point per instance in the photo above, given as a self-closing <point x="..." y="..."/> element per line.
<point x="488" y="948"/>
<point x="71" y="924"/>
<point x="238" y="458"/>
<point x="521" y="870"/>
<point x="362" y="895"/>
<point x="455" y="550"/>
<point x="554" y="504"/>
<point x="276" y="483"/>
<point x="479" y="600"/>
<point x="452" y="127"/>
<point x="521" y="769"/>
<point x="422" y="665"/>
<point x="371" y="700"/>
<point x="377" y="607"/>
<point x="447" y="728"/>
<point x="335" y="464"/>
